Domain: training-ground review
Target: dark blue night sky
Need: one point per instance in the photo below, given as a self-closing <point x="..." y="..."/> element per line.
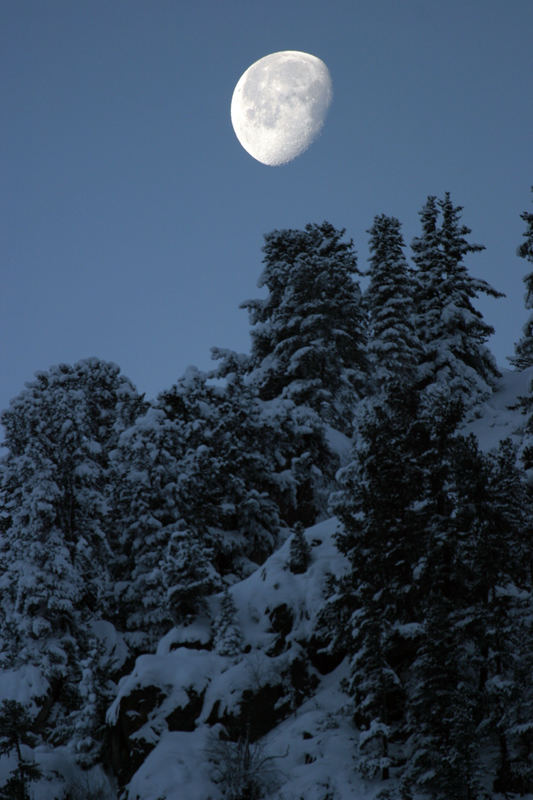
<point x="132" y="219"/>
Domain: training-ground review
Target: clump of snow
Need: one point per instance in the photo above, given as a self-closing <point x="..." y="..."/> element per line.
<point x="23" y="685"/>
<point x="198" y="632"/>
<point x="174" y="673"/>
<point x="115" y="650"/>
<point x="339" y="443"/>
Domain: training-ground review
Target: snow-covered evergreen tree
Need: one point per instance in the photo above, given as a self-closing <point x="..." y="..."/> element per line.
<point x="452" y="330"/>
<point x="300" y="552"/>
<point x="228" y="636"/>
<point x="241" y="442"/>
<point x="442" y="746"/>
<point x="393" y="344"/>
<point x="94" y="693"/>
<point x="375" y="686"/>
<point x="523" y="356"/>
<point x="146" y="470"/>
<point x="247" y="464"/>
<point x="304" y="462"/>
<point x="59" y="434"/>
<point x="17" y="730"/>
<point x="225" y="478"/>
<point x="187" y="575"/>
<point x="308" y="334"/>
<point x="59" y="546"/>
<point x="381" y="504"/>
<point x="203" y="457"/>
<point x="503" y="581"/>
<point x="43" y="590"/>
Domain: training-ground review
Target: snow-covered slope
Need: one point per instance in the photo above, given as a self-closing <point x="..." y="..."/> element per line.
<point x="187" y="696"/>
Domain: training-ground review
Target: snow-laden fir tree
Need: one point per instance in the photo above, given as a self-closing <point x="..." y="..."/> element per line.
<point x="442" y="745"/>
<point x="187" y="575"/>
<point x="453" y="332"/>
<point x="308" y="334"/>
<point x="60" y="432"/>
<point x="299" y="550"/>
<point x="248" y="464"/>
<point x="146" y="470"/>
<point x="304" y="463"/>
<point x="42" y="588"/>
<point x="58" y="546"/>
<point x="308" y="359"/>
<point x="225" y="474"/>
<point x="393" y="344"/>
<point x="375" y="686"/>
<point x="523" y="356"/>
<point x="17" y="732"/>
<point x="228" y="639"/>
<point x="94" y="694"/>
<point x="442" y="691"/>
<point x="381" y="505"/>
<point x="499" y="512"/>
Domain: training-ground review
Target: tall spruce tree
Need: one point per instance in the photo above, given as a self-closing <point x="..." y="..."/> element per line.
<point x="146" y="511"/>
<point x="393" y="344"/>
<point x="59" y="433"/>
<point x="453" y="332"/>
<point x="523" y="357"/>
<point x="308" y="334"/>
<point x="187" y="575"/>
<point x="228" y="639"/>
<point x="225" y="479"/>
<point x="381" y="503"/>
<point x="524" y="348"/>
<point x="505" y="614"/>
<point x="58" y="545"/>
<point x="442" y="744"/>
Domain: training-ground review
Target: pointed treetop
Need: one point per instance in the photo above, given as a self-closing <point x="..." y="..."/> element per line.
<point x="523" y="357"/>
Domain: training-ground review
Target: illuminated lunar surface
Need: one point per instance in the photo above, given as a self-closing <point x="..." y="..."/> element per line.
<point x="279" y="105"/>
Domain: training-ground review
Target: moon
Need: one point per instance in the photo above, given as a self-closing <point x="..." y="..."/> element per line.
<point x="279" y="105"/>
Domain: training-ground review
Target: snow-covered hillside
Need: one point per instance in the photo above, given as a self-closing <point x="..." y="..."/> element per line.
<point x="192" y="689"/>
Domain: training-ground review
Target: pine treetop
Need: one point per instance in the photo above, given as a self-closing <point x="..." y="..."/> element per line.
<point x="523" y="356"/>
